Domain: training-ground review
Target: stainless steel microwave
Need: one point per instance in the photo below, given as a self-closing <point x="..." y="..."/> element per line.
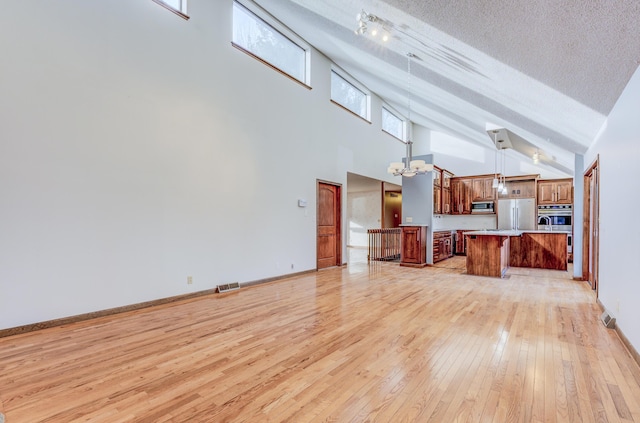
<point x="482" y="207"/>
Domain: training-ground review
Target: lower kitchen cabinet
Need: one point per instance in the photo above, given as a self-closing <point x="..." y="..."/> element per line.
<point x="442" y="245"/>
<point x="461" y="248"/>
<point x="414" y="246"/>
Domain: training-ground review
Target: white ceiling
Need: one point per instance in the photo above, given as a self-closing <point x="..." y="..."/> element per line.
<point x="548" y="71"/>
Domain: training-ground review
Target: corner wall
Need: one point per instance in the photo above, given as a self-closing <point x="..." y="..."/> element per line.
<point x="618" y="148"/>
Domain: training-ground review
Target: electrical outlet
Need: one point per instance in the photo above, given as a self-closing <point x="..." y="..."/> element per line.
<point x="189" y="280"/>
<point x="291" y="265"/>
<point x="409" y="219"/>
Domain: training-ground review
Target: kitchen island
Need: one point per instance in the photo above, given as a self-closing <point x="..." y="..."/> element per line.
<point x="491" y="253"/>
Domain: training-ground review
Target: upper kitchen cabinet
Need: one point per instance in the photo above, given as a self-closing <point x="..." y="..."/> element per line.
<point x="461" y="192"/>
<point x="441" y="191"/>
<point x="437" y="190"/>
<point x="483" y="190"/>
<point x="555" y="191"/>
<point x="437" y="177"/>
<point x="520" y="187"/>
<point x="446" y="192"/>
<point x="446" y="179"/>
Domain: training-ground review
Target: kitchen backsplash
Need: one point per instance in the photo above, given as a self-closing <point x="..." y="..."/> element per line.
<point x="443" y="222"/>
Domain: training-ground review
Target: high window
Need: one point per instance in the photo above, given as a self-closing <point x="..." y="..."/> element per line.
<point x="346" y="94"/>
<point x="177" y="6"/>
<point x="392" y="124"/>
<point x="261" y="39"/>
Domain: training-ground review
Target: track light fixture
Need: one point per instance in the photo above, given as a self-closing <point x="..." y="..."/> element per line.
<point x="378" y="25"/>
<point x="536" y="157"/>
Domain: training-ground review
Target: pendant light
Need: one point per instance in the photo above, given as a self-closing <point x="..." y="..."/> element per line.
<point x="495" y="182"/>
<point x="504" y="171"/>
<point x="411" y="167"/>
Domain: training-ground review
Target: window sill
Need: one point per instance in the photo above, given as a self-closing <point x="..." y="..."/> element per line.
<point x="177" y="12"/>
<point x="390" y="134"/>
<point x="277" y="69"/>
<point x="350" y="111"/>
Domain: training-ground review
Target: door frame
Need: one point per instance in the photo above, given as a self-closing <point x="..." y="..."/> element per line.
<point x="591" y="226"/>
<point x="338" y="208"/>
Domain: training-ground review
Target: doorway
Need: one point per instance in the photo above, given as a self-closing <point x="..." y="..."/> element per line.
<point x="591" y="226"/>
<point x="328" y="234"/>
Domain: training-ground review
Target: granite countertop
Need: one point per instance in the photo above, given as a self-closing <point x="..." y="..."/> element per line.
<point x="494" y="232"/>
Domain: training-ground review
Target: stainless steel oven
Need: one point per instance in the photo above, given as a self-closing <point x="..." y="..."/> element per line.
<point x="555" y="217"/>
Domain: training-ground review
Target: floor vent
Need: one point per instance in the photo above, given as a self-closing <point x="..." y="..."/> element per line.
<point x="609" y="322"/>
<point x="228" y="287"/>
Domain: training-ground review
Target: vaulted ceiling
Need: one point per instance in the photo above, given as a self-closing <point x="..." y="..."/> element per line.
<point x="547" y="72"/>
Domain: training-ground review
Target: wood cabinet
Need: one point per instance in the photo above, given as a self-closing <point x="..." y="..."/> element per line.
<point x="437" y="177"/>
<point x="542" y="250"/>
<point x="446" y="179"/>
<point x="441" y="191"/>
<point x="437" y="190"/>
<point x="482" y="189"/>
<point x="446" y="200"/>
<point x="437" y="201"/>
<point x="414" y="246"/>
<point x="442" y="245"/>
<point x="487" y="255"/>
<point x="555" y="191"/>
<point x="461" y="192"/>
<point x="520" y="189"/>
<point x="461" y="247"/>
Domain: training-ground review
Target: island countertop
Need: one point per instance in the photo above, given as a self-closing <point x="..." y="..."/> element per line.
<point x="491" y="252"/>
<point x="493" y="232"/>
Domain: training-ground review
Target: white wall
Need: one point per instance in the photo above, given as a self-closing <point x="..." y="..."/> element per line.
<point x="618" y="148"/>
<point x="137" y="148"/>
<point x="464" y="221"/>
<point x="364" y="211"/>
<point x="465" y="158"/>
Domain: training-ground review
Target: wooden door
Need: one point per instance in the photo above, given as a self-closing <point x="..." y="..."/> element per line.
<point x="591" y="227"/>
<point x="329" y="244"/>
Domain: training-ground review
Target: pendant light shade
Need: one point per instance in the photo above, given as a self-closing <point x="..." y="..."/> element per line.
<point x="412" y="167"/>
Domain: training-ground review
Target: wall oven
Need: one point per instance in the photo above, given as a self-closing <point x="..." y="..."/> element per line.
<point x="555" y="217"/>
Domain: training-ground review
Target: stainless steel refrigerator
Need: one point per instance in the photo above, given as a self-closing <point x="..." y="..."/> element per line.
<point x="518" y="214"/>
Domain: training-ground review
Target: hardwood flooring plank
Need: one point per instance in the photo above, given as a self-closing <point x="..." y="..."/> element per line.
<point x="374" y="342"/>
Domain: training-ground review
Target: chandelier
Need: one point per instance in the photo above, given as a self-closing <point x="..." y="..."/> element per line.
<point x="411" y="167"/>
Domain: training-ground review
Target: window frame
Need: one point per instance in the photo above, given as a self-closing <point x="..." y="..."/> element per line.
<point x="182" y="12"/>
<point x="276" y="26"/>
<point x="397" y="115"/>
<point x="355" y="84"/>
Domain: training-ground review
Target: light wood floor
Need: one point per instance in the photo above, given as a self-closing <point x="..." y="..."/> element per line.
<point x="363" y="343"/>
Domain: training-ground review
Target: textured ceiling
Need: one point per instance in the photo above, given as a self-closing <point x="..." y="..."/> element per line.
<point x="547" y="71"/>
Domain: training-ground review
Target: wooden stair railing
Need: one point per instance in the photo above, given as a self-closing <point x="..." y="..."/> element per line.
<point x="384" y="244"/>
